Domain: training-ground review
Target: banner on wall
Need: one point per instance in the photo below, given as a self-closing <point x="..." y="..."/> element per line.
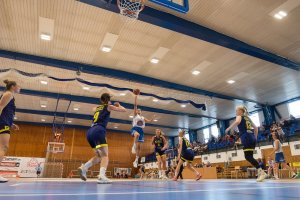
<point x="21" y="166"/>
<point x="122" y="172"/>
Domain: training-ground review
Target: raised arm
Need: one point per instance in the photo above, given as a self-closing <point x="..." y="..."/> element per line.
<point x="117" y="107"/>
<point x="180" y="148"/>
<point x="5" y="99"/>
<point x="135" y="105"/>
<point x="238" y="120"/>
<point x="149" y="120"/>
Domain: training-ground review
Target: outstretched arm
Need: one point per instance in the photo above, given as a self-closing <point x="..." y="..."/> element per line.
<point x="117" y="107"/>
<point x="234" y="124"/>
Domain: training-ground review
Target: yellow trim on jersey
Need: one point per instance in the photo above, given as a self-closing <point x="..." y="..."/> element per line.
<point x="6" y="128"/>
<point x="185" y="159"/>
<point x="101" y="145"/>
<point x="248" y="149"/>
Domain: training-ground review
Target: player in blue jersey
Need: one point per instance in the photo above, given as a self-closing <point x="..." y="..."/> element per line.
<point x="248" y="134"/>
<point x="7" y="113"/>
<point x="160" y="145"/>
<point x="185" y="154"/>
<point x="96" y="137"/>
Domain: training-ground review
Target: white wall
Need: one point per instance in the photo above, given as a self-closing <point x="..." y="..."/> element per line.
<point x="200" y="136"/>
<point x="283" y="109"/>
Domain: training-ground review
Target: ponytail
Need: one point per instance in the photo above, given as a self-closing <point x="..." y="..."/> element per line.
<point x="9" y="84"/>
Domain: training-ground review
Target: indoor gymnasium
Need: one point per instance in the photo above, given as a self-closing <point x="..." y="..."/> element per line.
<point x="149" y="99"/>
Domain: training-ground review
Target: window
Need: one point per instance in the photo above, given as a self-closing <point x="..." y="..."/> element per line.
<point x="215" y="131"/>
<point x="294" y="108"/>
<point x="187" y="136"/>
<point x="255" y="119"/>
<point x="206" y="134"/>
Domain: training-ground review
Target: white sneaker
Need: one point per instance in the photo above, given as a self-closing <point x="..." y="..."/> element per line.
<point x="276" y="178"/>
<point x="261" y="175"/>
<point x="82" y="172"/>
<point x="133" y="150"/>
<point x="165" y="177"/>
<point x="3" y="180"/>
<point x="135" y="163"/>
<point x="103" y="180"/>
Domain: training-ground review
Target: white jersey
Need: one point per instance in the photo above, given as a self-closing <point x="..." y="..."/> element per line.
<point x="138" y="121"/>
<point x="279" y="147"/>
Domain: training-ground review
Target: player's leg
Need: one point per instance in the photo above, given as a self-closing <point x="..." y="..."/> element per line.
<point x="190" y="167"/>
<point x="136" y="136"/>
<point x="159" y="165"/>
<point x="4" y="143"/>
<point x="164" y="165"/>
<point x="103" y="153"/>
<point x="180" y="162"/>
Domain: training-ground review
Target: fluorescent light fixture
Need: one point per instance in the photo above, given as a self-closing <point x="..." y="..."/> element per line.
<point x="115" y="127"/>
<point x="108" y="42"/>
<point x="45" y="37"/>
<point x="43" y="120"/>
<point x="106" y="49"/>
<point x="196" y="72"/>
<point x="122" y="94"/>
<point x="155" y="100"/>
<point x="277" y="16"/>
<point x="86" y="88"/>
<point x="282" y="13"/>
<point x="230" y="81"/>
<point x="155" y="120"/>
<point x="154" y="60"/>
<point x="183" y="106"/>
<point x="15" y="117"/>
<point x="69" y="121"/>
<point x="75" y="108"/>
<point x="44" y="82"/>
<point x="43" y="106"/>
<point x="131" y="116"/>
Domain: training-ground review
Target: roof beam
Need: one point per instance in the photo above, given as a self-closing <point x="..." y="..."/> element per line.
<point x="86" y="117"/>
<point x="177" y="24"/>
<point x="93" y="100"/>
<point x="118" y="74"/>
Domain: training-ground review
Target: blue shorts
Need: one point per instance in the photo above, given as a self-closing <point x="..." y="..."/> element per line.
<point x="140" y="131"/>
<point x="187" y="155"/>
<point x="248" y="141"/>
<point x="279" y="157"/>
<point x="96" y="136"/>
<point x="160" y="153"/>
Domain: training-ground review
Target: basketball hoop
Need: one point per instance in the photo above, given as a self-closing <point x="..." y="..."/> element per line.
<point x="131" y="8"/>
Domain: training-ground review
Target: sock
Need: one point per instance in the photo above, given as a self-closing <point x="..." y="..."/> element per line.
<point x="88" y="164"/>
<point x="102" y="171"/>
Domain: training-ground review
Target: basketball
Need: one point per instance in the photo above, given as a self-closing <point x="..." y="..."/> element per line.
<point x="136" y="91"/>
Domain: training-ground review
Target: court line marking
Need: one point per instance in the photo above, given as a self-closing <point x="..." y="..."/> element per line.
<point x="131" y="193"/>
<point x="17" y="184"/>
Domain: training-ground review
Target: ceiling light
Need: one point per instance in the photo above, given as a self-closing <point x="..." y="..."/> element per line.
<point x="131" y="116"/>
<point x="122" y="94"/>
<point x="155" y="120"/>
<point x="183" y="106"/>
<point x="155" y="100"/>
<point x="106" y="49"/>
<point x="69" y="121"/>
<point x="43" y="106"/>
<point x="231" y="81"/>
<point x="282" y="13"/>
<point x="45" y="37"/>
<point x="43" y="120"/>
<point x="44" y="82"/>
<point x="115" y="127"/>
<point x="196" y="72"/>
<point x="86" y="88"/>
<point x="15" y="117"/>
<point x="154" y="60"/>
<point x="75" y="108"/>
<point x="278" y="16"/>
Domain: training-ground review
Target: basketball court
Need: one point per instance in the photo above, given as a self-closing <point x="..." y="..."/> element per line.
<point x="175" y="72"/>
<point x="224" y="189"/>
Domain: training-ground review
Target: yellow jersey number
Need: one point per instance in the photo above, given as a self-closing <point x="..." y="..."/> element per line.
<point x="97" y="113"/>
<point x="248" y="123"/>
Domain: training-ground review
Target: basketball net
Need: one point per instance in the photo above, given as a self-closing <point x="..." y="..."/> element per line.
<point x="131" y="8"/>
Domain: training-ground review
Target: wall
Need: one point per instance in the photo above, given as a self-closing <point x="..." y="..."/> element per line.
<point x="31" y="141"/>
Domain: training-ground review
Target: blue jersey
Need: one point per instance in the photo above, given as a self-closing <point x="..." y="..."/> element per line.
<point x="245" y="125"/>
<point x="8" y="113"/>
<point x="101" y="116"/>
<point x="158" y="142"/>
<point x="185" y="144"/>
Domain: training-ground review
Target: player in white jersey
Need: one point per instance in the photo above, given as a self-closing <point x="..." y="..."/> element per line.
<point x="279" y="157"/>
<point x="137" y="131"/>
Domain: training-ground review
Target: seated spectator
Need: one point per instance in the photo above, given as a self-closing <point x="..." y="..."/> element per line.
<point x="270" y="167"/>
